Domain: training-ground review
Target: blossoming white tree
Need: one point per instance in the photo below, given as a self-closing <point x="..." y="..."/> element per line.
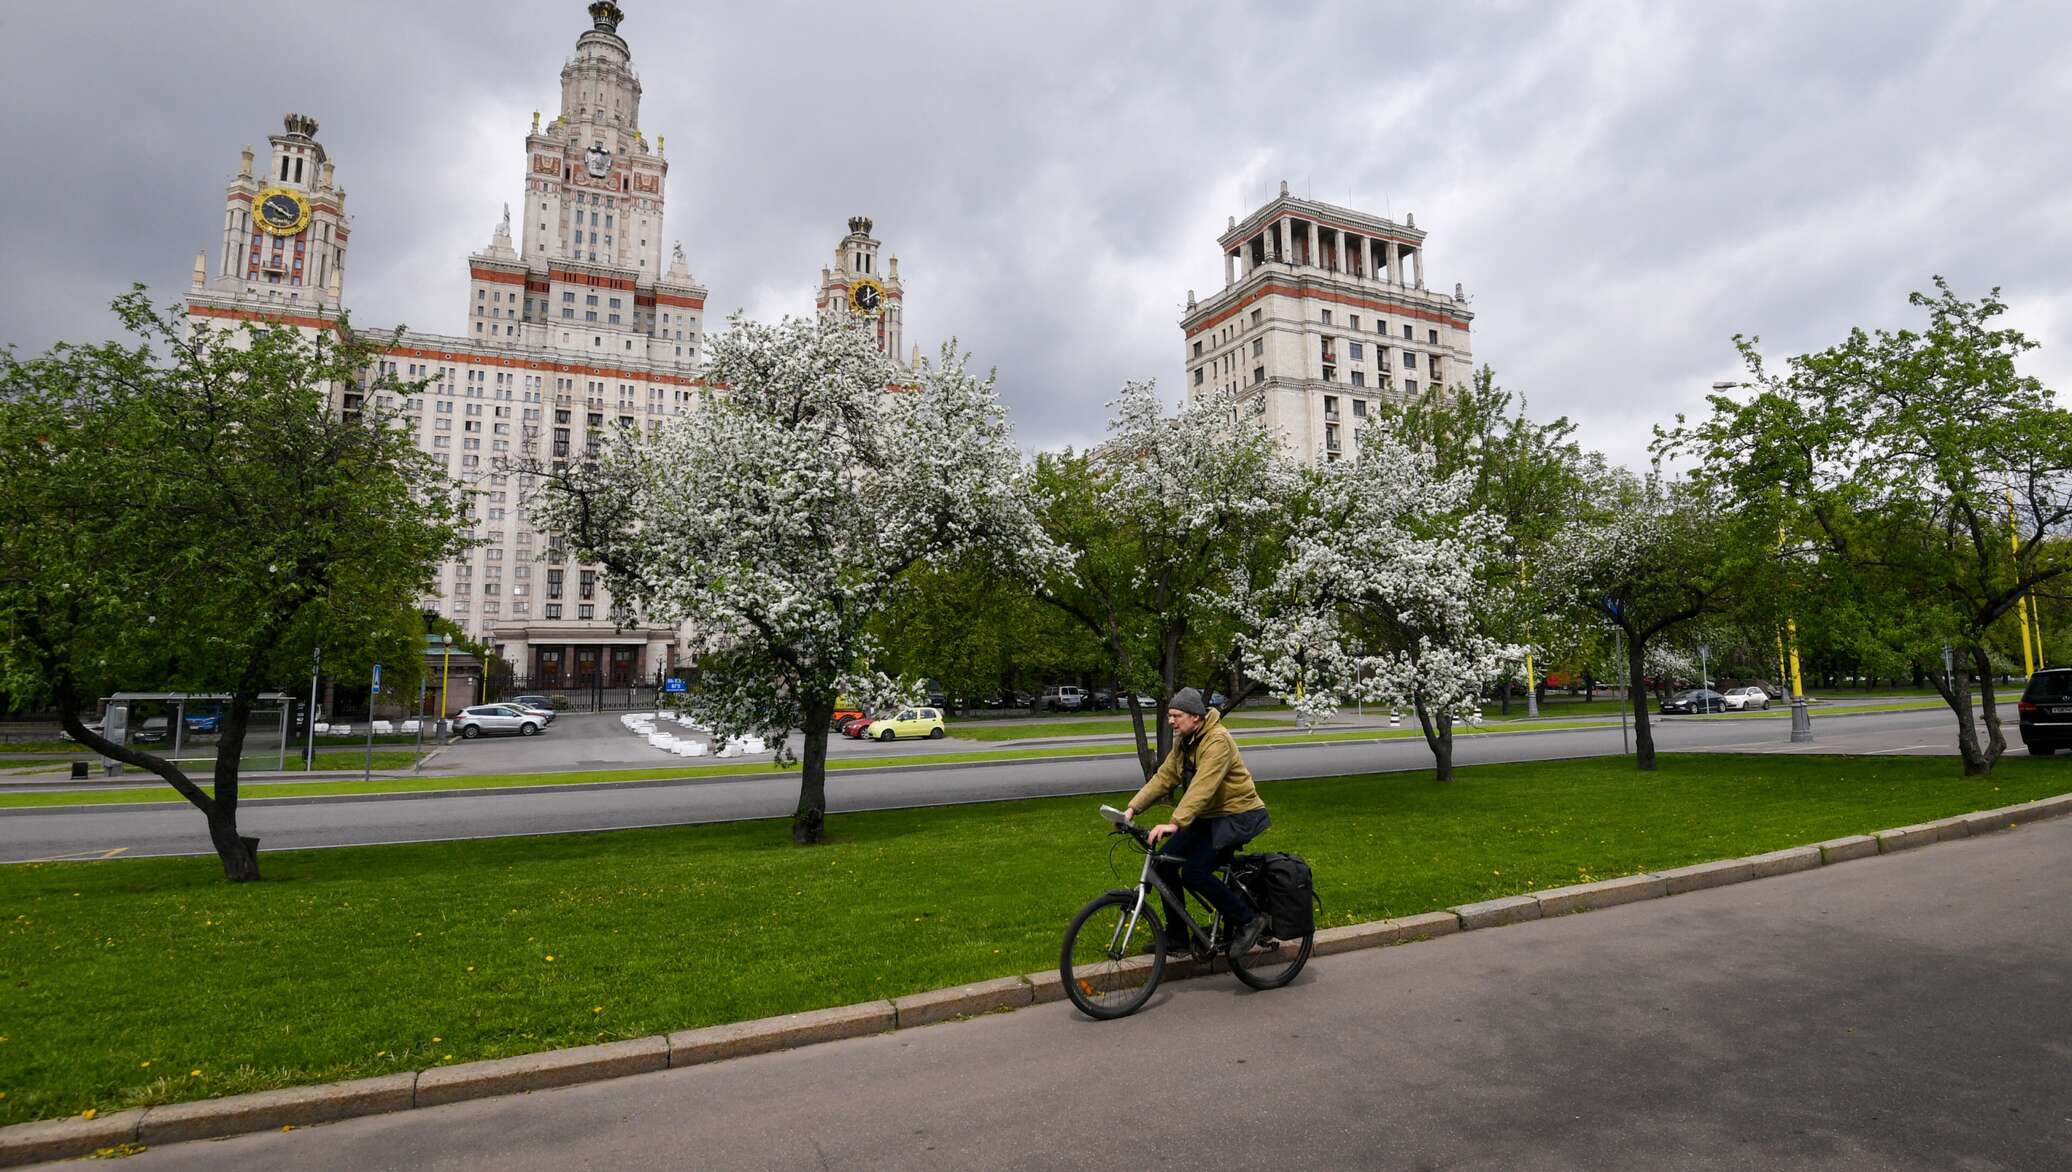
<point x="779" y="515"/>
<point x="1157" y="520"/>
<point x="1377" y="601"/>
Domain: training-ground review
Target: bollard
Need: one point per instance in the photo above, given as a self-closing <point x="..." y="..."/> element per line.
<point x="1395" y="719"/>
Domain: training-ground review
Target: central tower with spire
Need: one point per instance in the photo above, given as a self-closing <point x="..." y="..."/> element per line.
<point x="585" y="271"/>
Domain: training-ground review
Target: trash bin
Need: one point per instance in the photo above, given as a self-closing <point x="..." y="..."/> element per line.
<point x="79" y="771"/>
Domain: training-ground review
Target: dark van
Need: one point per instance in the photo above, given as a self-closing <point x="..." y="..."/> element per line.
<point x="2046" y="712"/>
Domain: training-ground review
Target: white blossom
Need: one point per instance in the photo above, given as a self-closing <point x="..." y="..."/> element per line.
<point x="776" y="517"/>
<point x="1378" y="599"/>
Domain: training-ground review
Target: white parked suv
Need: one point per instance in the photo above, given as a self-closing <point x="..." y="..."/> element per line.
<point x="1065" y="696"/>
<point x="499" y="718"/>
<point x="1743" y="699"/>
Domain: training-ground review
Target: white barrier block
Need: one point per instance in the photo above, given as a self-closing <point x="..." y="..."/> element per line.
<point x="411" y="726"/>
<point x="384" y="726"/>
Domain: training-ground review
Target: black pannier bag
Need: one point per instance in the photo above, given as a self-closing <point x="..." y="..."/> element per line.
<point x="1283" y="888"/>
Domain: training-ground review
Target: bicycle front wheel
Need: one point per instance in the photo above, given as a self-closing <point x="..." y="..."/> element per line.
<point x="1273" y="963"/>
<point x="1111" y="965"/>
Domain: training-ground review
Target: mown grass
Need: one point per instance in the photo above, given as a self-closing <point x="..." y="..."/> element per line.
<point x="152" y="980"/>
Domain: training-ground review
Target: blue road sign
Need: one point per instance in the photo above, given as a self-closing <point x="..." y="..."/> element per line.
<point x="377" y="679"/>
<point x="674" y="684"/>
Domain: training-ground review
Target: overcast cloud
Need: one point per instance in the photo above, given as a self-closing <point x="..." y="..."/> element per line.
<point x="1621" y="187"/>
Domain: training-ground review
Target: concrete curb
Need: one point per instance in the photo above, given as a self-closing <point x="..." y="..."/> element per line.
<point x="742" y="1038"/>
<point x="265" y="1110"/>
<point x="1495" y="913"/>
<point x="918" y="1009"/>
<point x="55" y="1139"/>
<point x="537" y="1072"/>
<point x="1588" y="897"/>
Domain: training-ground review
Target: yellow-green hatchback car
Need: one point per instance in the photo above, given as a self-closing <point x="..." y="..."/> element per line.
<point x="908" y="722"/>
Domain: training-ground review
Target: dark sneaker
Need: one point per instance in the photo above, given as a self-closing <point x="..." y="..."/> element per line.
<point x="1247" y="936"/>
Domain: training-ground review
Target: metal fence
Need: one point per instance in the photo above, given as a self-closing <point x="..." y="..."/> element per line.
<point x="592" y="695"/>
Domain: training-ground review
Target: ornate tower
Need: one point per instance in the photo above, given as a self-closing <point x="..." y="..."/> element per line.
<point x="858" y="286"/>
<point x="284" y="228"/>
<point x="594" y="186"/>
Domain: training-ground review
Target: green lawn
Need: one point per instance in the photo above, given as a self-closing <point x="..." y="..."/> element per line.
<point x="127" y="977"/>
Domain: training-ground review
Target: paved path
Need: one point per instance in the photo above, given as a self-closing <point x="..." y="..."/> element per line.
<point x="1908" y="1011"/>
<point x="176" y="828"/>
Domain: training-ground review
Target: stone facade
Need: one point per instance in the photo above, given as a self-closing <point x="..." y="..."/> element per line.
<point x="1323" y="313"/>
<point x="586" y="326"/>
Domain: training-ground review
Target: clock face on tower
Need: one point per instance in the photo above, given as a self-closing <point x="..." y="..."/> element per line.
<point x="280" y="211"/>
<point x="867" y="297"/>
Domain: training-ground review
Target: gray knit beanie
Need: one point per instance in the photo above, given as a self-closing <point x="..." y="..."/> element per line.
<point x="1189" y="700"/>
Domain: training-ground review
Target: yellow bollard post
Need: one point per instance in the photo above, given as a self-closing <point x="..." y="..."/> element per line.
<point x="2021" y="605"/>
<point x="1798" y="688"/>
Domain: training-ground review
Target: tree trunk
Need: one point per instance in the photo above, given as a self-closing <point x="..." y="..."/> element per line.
<point x="1145" y="759"/>
<point x="239" y="854"/>
<point x="1589" y="687"/>
<point x="1955" y="690"/>
<point x="1169" y="672"/>
<point x="1505" y="710"/>
<point x="1643" y="736"/>
<point x="809" y="821"/>
<point x="1996" y="740"/>
<point x="1438" y="735"/>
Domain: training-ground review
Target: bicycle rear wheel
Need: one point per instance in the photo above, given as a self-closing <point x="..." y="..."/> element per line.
<point x="1273" y="963"/>
<point x="1104" y="967"/>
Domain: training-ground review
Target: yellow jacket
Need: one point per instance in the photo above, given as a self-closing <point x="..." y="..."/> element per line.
<point x="1218" y="784"/>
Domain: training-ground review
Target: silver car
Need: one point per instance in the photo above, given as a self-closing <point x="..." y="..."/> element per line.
<point x="1743" y="699"/>
<point x="499" y="718"/>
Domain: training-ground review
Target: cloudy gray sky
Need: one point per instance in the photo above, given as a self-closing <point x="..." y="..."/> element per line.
<point x="1620" y="186"/>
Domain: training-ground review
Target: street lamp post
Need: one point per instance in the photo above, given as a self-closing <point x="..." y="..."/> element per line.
<point x="309" y="759"/>
<point x="445" y="667"/>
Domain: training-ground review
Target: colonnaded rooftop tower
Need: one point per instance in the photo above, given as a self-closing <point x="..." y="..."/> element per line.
<point x="1323" y="312"/>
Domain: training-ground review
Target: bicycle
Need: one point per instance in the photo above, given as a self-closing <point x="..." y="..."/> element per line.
<point x="1115" y="951"/>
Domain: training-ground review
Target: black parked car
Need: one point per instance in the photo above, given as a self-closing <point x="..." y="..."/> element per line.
<point x="2046" y="712"/>
<point x="1695" y="700"/>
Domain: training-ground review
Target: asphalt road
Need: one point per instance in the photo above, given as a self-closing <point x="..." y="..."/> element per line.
<point x="1902" y="1012"/>
<point x="27" y="835"/>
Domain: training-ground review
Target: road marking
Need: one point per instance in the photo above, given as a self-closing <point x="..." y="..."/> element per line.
<point x="1901" y="749"/>
<point x="80" y="856"/>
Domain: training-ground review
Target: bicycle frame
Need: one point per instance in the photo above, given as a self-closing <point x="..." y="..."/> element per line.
<point x="1149" y="879"/>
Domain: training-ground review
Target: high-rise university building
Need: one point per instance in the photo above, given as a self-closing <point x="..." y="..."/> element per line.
<point x="1323" y="313"/>
<point x="576" y="323"/>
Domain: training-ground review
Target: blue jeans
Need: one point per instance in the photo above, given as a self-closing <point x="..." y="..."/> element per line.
<point x="1195" y="845"/>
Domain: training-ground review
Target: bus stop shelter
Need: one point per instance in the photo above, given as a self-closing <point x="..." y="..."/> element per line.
<point x="117" y="726"/>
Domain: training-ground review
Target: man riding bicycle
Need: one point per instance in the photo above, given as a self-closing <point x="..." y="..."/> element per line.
<point x="1219" y="810"/>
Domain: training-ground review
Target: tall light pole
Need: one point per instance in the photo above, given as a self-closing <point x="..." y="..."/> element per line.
<point x="309" y="759"/>
<point x="445" y="667"/>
